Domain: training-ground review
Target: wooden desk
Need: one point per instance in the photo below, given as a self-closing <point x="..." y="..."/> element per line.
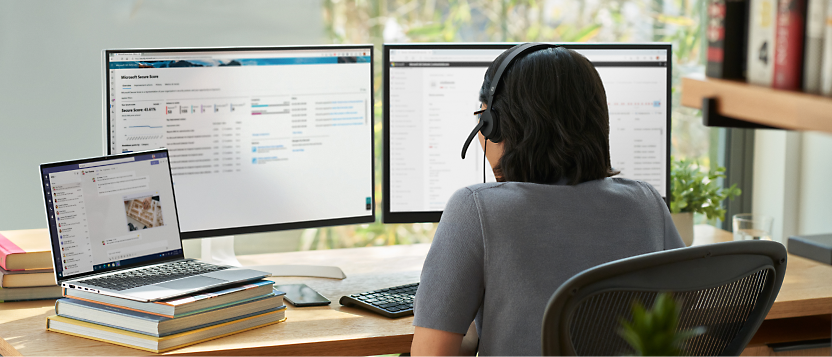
<point x="333" y="330"/>
<point x="807" y="287"/>
<point x="803" y="308"/>
<point x="804" y="301"/>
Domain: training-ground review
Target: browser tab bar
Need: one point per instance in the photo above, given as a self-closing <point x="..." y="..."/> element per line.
<point x="108" y="162"/>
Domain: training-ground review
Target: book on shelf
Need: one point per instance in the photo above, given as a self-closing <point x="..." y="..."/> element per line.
<point x="159" y="326"/>
<point x="161" y="344"/>
<point x="826" y="65"/>
<point x="726" y="36"/>
<point x="762" y="17"/>
<point x="26" y="278"/>
<point x="31" y="293"/>
<point x="25" y="249"/>
<point x="813" y="53"/>
<point x="788" y="52"/>
<point x="182" y="306"/>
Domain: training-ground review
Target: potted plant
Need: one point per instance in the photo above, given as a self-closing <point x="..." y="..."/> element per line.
<point x="693" y="191"/>
<point x="655" y="332"/>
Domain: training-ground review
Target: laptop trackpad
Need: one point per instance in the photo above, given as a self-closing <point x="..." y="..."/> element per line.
<point x="193" y="282"/>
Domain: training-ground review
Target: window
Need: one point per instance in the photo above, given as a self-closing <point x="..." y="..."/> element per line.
<point x="379" y="21"/>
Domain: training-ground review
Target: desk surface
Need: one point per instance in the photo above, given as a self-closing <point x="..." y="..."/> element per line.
<point x="806" y="289"/>
<point x="336" y="330"/>
<point x="327" y="330"/>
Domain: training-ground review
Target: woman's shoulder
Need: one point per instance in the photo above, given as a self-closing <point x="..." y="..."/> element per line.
<point x="508" y="186"/>
<point x="614" y="186"/>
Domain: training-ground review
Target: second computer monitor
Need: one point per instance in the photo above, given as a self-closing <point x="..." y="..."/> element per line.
<point x="260" y="139"/>
<point x="431" y="91"/>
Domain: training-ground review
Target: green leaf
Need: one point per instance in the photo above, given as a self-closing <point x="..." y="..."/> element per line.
<point x="695" y="191"/>
<point x="655" y="332"/>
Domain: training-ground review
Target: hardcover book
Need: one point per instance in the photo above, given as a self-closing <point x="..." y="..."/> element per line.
<point x="826" y="71"/>
<point x="33" y="293"/>
<point x="25" y="249"/>
<point x="813" y="55"/>
<point x="762" y="16"/>
<point x="185" y="305"/>
<point x="159" y="326"/>
<point x="26" y="278"/>
<point x="788" y="52"/>
<point x="160" y="344"/>
<point x="726" y="34"/>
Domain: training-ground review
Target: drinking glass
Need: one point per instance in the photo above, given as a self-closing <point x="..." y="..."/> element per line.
<point x="749" y="226"/>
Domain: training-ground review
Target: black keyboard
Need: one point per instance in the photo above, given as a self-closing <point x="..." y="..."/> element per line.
<point x="152" y="275"/>
<point x="391" y="302"/>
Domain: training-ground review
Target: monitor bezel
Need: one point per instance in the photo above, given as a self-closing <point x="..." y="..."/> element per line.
<point x="50" y="224"/>
<point x="272" y="227"/>
<point x="434" y="216"/>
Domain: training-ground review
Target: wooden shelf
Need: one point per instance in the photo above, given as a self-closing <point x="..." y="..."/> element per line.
<point x="760" y="105"/>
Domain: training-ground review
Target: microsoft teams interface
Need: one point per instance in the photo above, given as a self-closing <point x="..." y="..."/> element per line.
<point x="111" y="213"/>
<point x="433" y="93"/>
<point x="256" y="137"/>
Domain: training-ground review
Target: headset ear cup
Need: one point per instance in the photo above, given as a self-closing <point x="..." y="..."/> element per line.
<point x="494" y="134"/>
<point x="490" y="129"/>
<point x="488" y="124"/>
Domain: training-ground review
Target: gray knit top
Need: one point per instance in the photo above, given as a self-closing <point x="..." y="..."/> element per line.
<point x="502" y="249"/>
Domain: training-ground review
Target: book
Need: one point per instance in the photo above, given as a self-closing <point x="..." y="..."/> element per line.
<point x="32" y="293"/>
<point x="26" y="278"/>
<point x="182" y="306"/>
<point x="813" y="53"/>
<point x="815" y="247"/>
<point x="160" y="344"/>
<point x="726" y="35"/>
<point x="762" y="16"/>
<point x="826" y="71"/>
<point x="788" y="51"/>
<point x="160" y="326"/>
<point x="25" y="249"/>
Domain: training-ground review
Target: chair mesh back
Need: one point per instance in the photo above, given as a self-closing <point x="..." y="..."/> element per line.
<point x="595" y="323"/>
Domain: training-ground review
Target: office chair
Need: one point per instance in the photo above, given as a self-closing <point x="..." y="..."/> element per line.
<point x="728" y="288"/>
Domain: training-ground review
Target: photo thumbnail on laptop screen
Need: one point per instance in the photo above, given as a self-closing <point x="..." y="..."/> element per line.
<point x="111" y="213"/>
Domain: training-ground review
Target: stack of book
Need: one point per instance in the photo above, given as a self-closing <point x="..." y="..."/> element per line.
<point x="783" y="44"/>
<point x="165" y="325"/>
<point x="26" y="266"/>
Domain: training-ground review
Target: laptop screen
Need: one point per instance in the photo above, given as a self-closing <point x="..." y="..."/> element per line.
<point x="110" y="212"/>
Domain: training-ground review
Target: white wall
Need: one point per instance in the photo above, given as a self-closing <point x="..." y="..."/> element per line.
<point x="815" y="202"/>
<point x="792" y="174"/>
<point x="50" y="71"/>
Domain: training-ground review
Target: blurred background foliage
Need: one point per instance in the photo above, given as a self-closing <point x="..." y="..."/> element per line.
<point x="378" y="21"/>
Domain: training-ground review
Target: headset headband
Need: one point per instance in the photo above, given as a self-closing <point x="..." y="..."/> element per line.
<point x="486" y="123"/>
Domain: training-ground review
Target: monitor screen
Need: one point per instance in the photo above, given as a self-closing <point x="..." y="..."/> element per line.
<point x="260" y="139"/>
<point x="432" y="90"/>
<point x="110" y="212"/>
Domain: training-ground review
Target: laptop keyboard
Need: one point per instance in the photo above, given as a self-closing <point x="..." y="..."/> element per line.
<point x="152" y="275"/>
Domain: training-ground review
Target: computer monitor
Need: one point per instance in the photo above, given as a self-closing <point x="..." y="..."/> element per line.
<point x="431" y="91"/>
<point x="260" y="139"/>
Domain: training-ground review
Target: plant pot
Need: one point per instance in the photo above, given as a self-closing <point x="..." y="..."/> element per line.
<point x="684" y="224"/>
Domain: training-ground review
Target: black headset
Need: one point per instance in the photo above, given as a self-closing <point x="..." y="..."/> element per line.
<point x="488" y="120"/>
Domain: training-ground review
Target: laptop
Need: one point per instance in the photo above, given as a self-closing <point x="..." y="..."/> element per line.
<point x="114" y="230"/>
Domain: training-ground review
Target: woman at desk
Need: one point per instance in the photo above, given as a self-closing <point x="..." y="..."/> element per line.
<point x="502" y="249"/>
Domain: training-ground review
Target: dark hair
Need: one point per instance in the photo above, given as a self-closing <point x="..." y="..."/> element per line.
<point x="552" y="117"/>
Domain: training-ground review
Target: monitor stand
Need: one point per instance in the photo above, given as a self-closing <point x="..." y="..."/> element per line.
<point x="220" y="250"/>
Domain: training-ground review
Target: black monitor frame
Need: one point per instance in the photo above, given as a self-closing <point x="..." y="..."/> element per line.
<point x="434" y="216"/>
<point x="265" y="227"/>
